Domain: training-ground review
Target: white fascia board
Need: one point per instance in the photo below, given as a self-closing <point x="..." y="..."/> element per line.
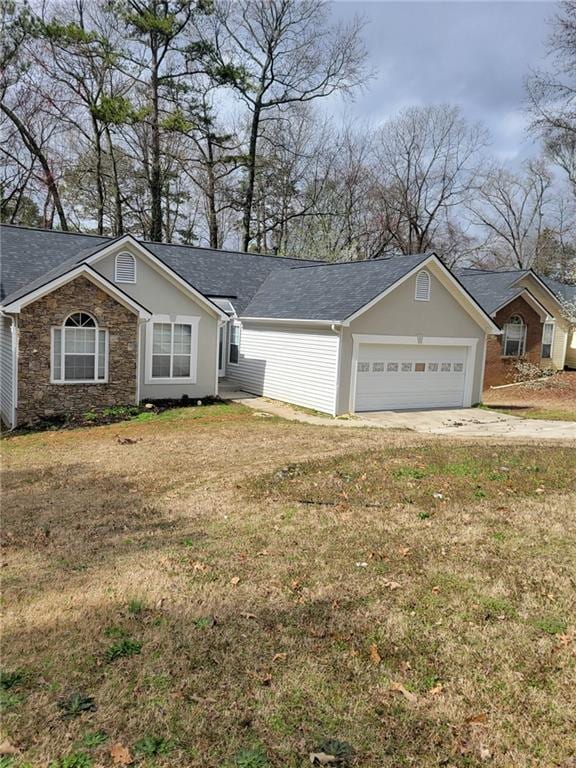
<point x="83" y="270"/>
<point x="287" y="320"/>
<point x="161" y="267"/>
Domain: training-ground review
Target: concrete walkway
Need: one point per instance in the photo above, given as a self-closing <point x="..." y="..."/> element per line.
<point x="462" y="422"/>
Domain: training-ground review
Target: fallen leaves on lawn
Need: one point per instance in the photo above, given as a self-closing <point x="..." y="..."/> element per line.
<point x="436" y="690"/>
<point x="392" y="585"/>
<point x="279" y="657"/>
<point x="478" y="719"/>
<point x="121" y="755"/>
<point x="235" y="580"/>
<point x="322" y="758"/>
<point x="396" y="687"/>
<point x="7" y="748"/>
<point x="375" y="657"/>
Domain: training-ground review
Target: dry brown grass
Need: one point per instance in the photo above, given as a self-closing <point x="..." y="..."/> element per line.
<point x="259" y="616"/>
<point x="554" y="398"/>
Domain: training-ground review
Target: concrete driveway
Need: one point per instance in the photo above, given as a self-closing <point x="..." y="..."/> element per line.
<point x="472" y="422"/>
<point x="464" y="422"/>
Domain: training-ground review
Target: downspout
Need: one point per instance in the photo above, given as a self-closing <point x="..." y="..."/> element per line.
<point x="14" y="333"/>
<point x="337" y="329"/>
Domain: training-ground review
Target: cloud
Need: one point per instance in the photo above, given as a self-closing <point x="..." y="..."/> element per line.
<point x="473" y="54"/>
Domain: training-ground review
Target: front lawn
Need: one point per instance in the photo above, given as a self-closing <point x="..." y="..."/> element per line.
<point x="209" y="587"/>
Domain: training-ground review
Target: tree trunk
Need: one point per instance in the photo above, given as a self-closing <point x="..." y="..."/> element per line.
<point x="155" y="172"/>
<point x="211" y="197"/>
<point x="118" y="215"/>
<point x="249" y="197"/>
<point x="98" y="173"/>
<point x="37" y="152"/>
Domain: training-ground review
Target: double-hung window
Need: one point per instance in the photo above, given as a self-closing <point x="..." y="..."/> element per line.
<point x="514" y="338"/>
<point x="172" y="349"/>
<point x="79" y="351"/>
<point x="547" y="340"/>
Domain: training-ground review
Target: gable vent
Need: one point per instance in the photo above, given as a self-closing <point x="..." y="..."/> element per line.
<point x="125" y="271"/>
<point x="422" y="286"/>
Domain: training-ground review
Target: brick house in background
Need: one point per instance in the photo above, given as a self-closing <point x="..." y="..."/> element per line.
<point x="529" y="311"/>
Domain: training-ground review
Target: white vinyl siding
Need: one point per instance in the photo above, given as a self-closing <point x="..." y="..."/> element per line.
<point x="7" y="372"/>
<point x="295" y="365"/>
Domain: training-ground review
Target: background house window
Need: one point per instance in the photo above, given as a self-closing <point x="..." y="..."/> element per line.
<point x="125" y="268"/>
<point x="422" y="286"/>
<point x="547" y="339"/>
<point x="234" y="343"/>
<point x="79" y="350"/>
<point x="514" y="338"/>
<point x="173" y="350"/>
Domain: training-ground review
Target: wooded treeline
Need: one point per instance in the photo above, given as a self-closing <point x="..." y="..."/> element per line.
<point x="198" y="121"/>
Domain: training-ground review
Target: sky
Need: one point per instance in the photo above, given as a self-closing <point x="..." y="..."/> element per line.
<point x="472" y="54"/>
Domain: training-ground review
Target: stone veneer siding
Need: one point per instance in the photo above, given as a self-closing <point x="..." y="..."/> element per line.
<point x="500" y="370"/>
<point x="37" y="397"/>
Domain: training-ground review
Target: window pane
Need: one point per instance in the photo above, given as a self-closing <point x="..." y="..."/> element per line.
<point x="57" y="360"/>
<point x="80" y="340"/>
<point x="233" y="353"/>
<point x="181" y="365"/>
<point x="512" y="348"/>
<point x="182" y="339"/>
<point x="546" y="351"/>
<point x="161" y="366"/>
<point x="162" y="339"/>
<point x="79" y="367"/>
<point x="101" y="354"/>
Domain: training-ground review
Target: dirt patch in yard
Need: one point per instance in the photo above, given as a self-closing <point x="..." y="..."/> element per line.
<point x="167" y="600"/>
<point x="553" y="398"/>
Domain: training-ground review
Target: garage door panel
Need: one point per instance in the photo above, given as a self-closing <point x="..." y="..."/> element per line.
<point x="410" y="376"/>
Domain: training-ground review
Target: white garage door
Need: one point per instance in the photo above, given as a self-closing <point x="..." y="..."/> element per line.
<point x="396" y="377"/>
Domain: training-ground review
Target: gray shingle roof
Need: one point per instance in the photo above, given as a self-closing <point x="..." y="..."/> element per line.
<point x="328" y="292"/>
<point x="491" y="289"/>
<point x="28" y="255"/>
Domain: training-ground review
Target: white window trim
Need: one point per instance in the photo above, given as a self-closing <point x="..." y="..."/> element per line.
<point x="116" y="278"/>
<point x="522" y="351"/>
<point x="553" y="326"/>
<point x="234" y="324"/>
<point x="194" y="321"/>
<point x="427" y="297"/>
<point x="89" y="382"/>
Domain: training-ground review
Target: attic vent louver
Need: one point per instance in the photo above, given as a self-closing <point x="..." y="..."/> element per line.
<point x="125" y="268"/>
<point x="422" y="286"/>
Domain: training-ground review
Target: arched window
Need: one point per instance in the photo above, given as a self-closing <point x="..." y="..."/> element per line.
<point x="514" y="337"/>
<point x="125" y="268"/>
<point x="422" y="286"/>
<point x="79" y="350"/>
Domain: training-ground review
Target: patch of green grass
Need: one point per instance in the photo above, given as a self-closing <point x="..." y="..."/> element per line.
<point x="123" y="648"/>
<point x="251" y="758"/>
<point x="8" y="700"/>
<point x="552" y="625"/>
<point x="493" y="609"/>
<point x="135" y="606"/>
<point x="12" y="679"/>
<point x="93" y="739"/>
<point x="75" y="760"/>
<point x="152" y="746"/>
<point x="423" y="476"/>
